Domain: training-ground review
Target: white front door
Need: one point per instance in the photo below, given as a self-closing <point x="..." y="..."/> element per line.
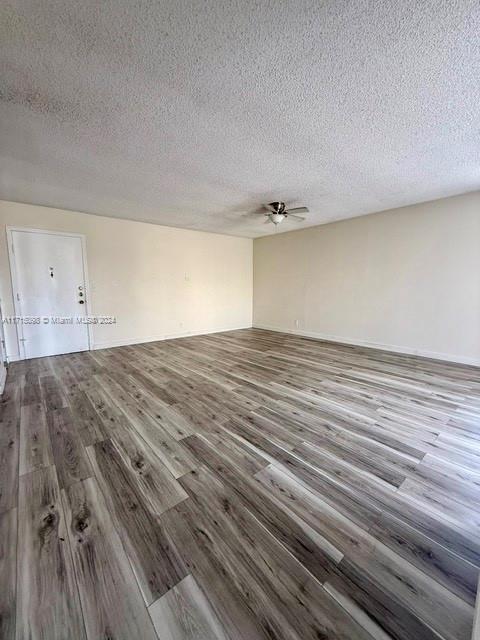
<point x="50" y="294"/>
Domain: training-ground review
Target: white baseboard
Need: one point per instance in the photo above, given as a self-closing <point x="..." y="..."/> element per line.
<point x="424" y="353"/>
<point x="169" y="336"/>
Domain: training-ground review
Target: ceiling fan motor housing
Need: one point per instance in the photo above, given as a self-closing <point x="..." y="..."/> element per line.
<point x="277" y="207"/>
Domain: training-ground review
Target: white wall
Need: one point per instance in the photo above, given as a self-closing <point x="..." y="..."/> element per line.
<point x="158" y="281"/>
<point x="406" y="279"/>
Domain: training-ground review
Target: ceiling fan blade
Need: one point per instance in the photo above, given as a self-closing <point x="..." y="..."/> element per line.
<point x="267" y="220"/>
<point x="293" y="215"/>
<point x="297" y="210"/>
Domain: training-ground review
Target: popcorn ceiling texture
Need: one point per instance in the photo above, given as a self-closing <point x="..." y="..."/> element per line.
<point x="192" y="113"/>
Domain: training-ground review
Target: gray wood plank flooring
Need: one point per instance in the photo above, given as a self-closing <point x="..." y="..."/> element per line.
<point x="243" y="485"/>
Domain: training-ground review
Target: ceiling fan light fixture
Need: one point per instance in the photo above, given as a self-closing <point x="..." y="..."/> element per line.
<point x="276" y="218"/>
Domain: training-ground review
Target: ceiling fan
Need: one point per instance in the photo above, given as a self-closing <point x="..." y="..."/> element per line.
<point x="277" y="212"/>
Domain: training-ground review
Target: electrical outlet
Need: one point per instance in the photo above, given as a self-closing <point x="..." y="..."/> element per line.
<point x="296" y="324"/>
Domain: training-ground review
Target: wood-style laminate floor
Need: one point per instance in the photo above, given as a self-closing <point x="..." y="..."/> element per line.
<point x="244" y="485"/>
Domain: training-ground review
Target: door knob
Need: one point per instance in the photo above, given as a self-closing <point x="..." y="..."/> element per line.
<point x="81" y="302"/>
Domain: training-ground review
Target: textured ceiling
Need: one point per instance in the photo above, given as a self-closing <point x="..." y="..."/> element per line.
<point x="190" y="113"/>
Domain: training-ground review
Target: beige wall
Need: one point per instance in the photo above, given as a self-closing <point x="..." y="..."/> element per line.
<point x="158" y="281"/>
<point x="406" y="279"/>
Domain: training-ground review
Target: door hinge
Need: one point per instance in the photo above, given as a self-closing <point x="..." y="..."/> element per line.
<point x="18" y="297"/>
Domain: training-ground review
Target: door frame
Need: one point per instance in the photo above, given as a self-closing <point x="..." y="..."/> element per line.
<point x="14" y="280"/>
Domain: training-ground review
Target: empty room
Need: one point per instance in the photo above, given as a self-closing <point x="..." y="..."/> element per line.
<point x="240" y="320"/>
